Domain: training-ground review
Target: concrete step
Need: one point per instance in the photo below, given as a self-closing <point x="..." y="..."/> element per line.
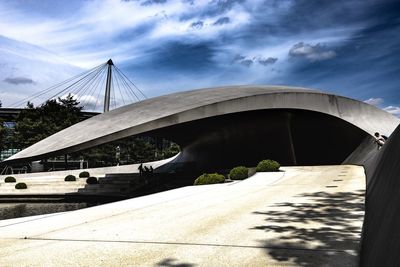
<point x="44" y="181"/>
<point x="45" y="185"/>
<point x="112" y="182"/>
<point x="111" y="186"/>
<point x="103" y="192"/>
<point x="37" y="191"/>
<point x="125" y="178"/>
<point x="121" y="175"/>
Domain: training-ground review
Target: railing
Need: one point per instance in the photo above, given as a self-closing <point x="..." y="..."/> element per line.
<point x="5" y="169"/>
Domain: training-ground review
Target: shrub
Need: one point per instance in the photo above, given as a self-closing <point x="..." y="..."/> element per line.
<point x="21" y="186"/>
<point x="70" y="178"/>
<point x="209" y="178"/>
<point x="84" y="174"/>
<point x="239" y="173"/>
<point x="9" y="179"/>
<point x="92" y="180"/>
<point x="268" y="165"/>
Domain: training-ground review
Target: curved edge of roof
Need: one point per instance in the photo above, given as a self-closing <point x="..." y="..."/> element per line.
<point x="166" y="110"/>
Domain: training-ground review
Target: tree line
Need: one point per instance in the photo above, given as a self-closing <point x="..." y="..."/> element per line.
<point x="36" y="123"/>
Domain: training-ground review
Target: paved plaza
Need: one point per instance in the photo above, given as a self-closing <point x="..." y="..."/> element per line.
<point x="301" y="216"/>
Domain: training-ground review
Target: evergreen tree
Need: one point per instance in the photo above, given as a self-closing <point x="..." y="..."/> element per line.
<point x="36" y="123"/>
<point x="2" y="132"/>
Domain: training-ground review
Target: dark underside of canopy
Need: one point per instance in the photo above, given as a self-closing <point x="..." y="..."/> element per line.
<point x="292" y="137"/>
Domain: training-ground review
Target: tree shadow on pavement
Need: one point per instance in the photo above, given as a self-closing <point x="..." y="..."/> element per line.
<point x="322" y="229"/>
<point x="170" y="262"/>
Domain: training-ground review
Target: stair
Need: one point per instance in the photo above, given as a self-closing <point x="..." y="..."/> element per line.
<point x="118" y="184"/>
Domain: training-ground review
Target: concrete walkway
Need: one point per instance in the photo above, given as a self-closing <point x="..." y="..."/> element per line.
<point x="304" y="216"/>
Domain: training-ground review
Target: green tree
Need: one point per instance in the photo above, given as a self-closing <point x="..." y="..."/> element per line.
<point x="36" y="123"/>
<point x="3" y="134"/>
<point x="6" y="133"/>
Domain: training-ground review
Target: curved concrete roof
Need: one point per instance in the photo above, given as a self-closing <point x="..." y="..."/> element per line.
<point x="162" y="111"/>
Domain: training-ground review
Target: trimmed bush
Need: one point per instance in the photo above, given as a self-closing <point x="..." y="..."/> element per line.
<point x="209" y="178"/>
<point x="70" y="178"/>
<point x="21" y="186"/>
<point x="268" y="165"/>
<point x="10" y="179"/>
<point x="239" y="173"/>
<point x="84" y="174"/>
<point x="92" y="180"/>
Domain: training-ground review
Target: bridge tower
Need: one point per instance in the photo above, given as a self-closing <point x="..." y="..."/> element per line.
<point x="88" y="89"/>
<point x="108" y="86"/>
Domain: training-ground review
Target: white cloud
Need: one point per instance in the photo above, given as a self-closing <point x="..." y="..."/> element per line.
<point x="311" y="52"/>
<point x="374" y="101"/>
<point x="104" y="24"/>
<point x="18" y="80"/>
<point x="99" y="30"/>
<point x="393" y="110"/>
<point x="129" y="32"/>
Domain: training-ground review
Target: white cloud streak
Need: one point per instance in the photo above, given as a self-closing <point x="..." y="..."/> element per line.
<point x="393" y="110"/>
<point x="374" y="101"/>
<point x="311" y="52"/>
<point x="103" y="24"/>
<point x="128" y="31"/>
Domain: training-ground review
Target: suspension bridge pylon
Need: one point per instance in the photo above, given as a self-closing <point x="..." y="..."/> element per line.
<point x="89" y="87"/>
<point x="108" y="86"/>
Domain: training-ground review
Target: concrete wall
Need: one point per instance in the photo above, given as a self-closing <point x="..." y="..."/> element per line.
<point x="381" y="230"/>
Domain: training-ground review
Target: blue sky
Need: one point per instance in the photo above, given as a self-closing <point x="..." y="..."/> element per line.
<point x="349" y="47"/>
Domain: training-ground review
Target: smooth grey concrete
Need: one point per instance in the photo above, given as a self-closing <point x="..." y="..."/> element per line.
<point x="381" y="234"/>
<point x="173" y="109"/>
<point x="366" y="150"/>
<point x="304" y="216"/>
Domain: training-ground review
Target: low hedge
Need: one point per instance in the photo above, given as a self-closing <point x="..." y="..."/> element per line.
<point x="239" y="173"/>
<point x="268" y="165"/>
<point x="10" y="179"/>
<point x="209" y="178"/>
<point x="92" y="180"/>
<point x="21" y="186"/>
<point x="70" y="178"/>
<point x="84" y="174"/>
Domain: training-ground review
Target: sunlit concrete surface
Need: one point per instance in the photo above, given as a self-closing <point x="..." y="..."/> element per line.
<point x="303" y="216"/>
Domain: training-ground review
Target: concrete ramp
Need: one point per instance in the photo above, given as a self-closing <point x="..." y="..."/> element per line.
<point x="302" y="216"/>
<point x="381" y="234"/>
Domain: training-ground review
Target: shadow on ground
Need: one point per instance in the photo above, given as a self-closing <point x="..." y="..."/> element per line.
<point x="322" y="229"/>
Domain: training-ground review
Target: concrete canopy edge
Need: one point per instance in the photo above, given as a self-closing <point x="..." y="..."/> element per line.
<point x="163" y="111"/>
